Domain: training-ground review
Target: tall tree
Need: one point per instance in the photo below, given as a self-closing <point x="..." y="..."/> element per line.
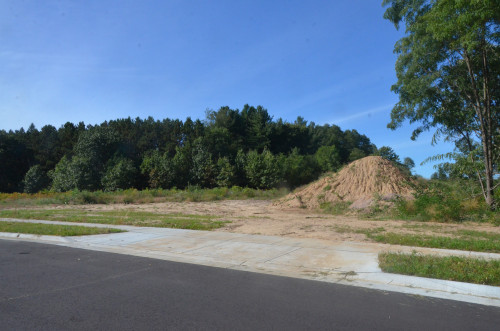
<point x="388" y="153"/>
<point x="448" y="72"/>
<point x="15" y="160"/>
<point x="258" y="127"/>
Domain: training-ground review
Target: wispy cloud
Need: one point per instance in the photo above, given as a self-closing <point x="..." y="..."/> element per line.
<point x="328" y="94"/>
<point x="360" y="114"/>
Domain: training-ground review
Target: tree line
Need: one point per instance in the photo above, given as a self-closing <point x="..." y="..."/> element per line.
<point x="230" y="147"/>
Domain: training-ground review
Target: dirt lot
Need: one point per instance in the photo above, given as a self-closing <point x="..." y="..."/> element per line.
<point x="261" y="217"/>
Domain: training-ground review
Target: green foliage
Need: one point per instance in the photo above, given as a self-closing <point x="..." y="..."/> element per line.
<point x="120" y="175"/>
<point x="258" y="127"/>
<point x="92" y="152"/>
<point x="356" y="146"/>
<point x="86" y="173"/>
<point x="135" y="196"/>
<point x="97" y="143"/>
<point x="409" y="163"/>
<point x="127" y="217"/>
<point x="462" y="269"/>
<point x="300" y="169"/>
<point x="465" y="165"/>
<point x="225" y="173"/>
<point x="240" y="162"/>
<point x="53" y="229"/>
<point x="159" y="170"/>
<point x="328" y="158"/>
<point x="262" y="169"/>
<point x="446" y="201"/>
<point x="356" y="154"/>
<point x="171" y="153"/>
<point x="443" y="171"/>
<point x="15" y="160"/>
<point x="465" y="243"/>
<point x="203" y="170"/>
<point x="388" y="153"/>
<point x="448" y="72"/>
<point x="337" y="208"/>
<point x="182" y="163"/>
<point x="63" y="179"/>
<point x="436" y="203"/>
<point x="35" y="180"/>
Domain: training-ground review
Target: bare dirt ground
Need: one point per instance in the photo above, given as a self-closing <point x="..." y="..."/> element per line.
<point x="261" y="217"/>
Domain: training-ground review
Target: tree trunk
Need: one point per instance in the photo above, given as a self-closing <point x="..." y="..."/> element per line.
<point x="490" y="200"/>
<point x="485" y="124"/>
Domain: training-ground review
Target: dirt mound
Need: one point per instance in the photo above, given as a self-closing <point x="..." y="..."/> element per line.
<point x="360" y="183"/>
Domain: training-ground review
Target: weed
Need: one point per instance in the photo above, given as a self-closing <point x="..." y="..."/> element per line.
<point x="467" y="240"/>
<point x="343" y="229"/>
<point x="52" y="229"/>
<point x="134" y="196"/>
<point x="422" y="227"/>
<point x="486" y="243"/>
<point x="446" y="201"/>
<point x="335" y="208"/>
<point x="128" y="200"/>
<point x="124" y="217"/>
<point x="455" y="268"/>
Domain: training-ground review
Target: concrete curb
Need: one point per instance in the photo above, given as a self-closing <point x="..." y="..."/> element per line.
<point x="34" y="237"/>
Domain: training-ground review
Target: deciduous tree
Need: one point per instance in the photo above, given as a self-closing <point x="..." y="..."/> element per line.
<point x="448" y="71"/>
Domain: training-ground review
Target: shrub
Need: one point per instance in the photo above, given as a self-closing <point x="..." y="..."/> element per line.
<point x="300" y="169"/>
<point x="225" y="170"/>
<point x="445" y="201"/>
<point x="159" y="169"/>
<point x="328" y="158"/>
<point x="262" y="170"/>
<point x="63" y="178"/>
<point x="35" y="180"/>
<point x="119" y="175"/>
<point x="203" y="170"/>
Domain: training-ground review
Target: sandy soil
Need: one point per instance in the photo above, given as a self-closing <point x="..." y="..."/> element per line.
<point x="261" y="217"/>
<point x="361" y="183"/>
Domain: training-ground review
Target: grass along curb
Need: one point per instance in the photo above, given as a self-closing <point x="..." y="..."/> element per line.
<point x="465" y="240"/>
<point x="53" y="229"/>
<point x="462" y="269"/>
<point x="475" y="241"/>
<point x="120" y="217"/>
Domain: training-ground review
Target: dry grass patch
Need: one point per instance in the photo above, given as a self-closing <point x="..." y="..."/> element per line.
<point x="119" y="217"/>
<point x="53" y="229"/>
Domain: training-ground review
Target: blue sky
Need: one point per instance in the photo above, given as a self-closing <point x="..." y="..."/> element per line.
<point x="327" y="61"/>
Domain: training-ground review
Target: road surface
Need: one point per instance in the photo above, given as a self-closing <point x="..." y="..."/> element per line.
<point x="48" y="287"/>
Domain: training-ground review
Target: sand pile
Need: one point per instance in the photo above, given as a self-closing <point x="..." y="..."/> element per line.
<point x="362" y="183"/>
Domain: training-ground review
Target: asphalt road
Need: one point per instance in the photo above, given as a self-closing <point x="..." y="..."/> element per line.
<point x="47" y="287"/>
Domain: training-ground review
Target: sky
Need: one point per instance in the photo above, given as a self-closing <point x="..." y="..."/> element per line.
<point x="330" y="62"/>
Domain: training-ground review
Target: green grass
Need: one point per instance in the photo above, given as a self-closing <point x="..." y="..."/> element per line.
<point x="468" y="240"/>
<point x="122" y="217"/>
<point x="53" y="229"/>
<point x="447" y="201"/>
<point x="423" y="227"/>
<point x="343" y="229"/>
<point x="462" y="269"/>
<point x="337" y="208"/>
<point x="136" y="196"/>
